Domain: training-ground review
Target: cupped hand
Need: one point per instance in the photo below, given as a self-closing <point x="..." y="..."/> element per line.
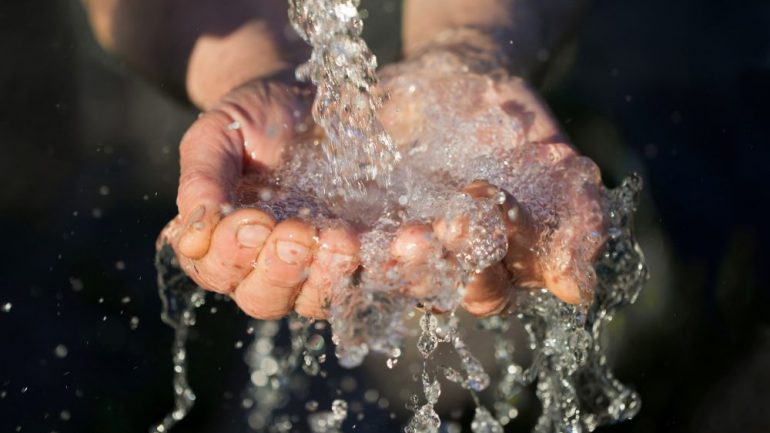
<point x="555" y="227"/>
<point x="268" y="267"/>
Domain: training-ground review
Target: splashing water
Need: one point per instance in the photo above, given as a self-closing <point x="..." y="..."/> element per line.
<point x="358" y="149"/>
<point x="180" y="296"/>
<point x="329" y="421"/>
<point x="357" y="173"/>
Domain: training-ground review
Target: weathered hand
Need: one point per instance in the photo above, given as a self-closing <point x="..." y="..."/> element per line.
<point x="269" y="268"/>
<point x="554" y="212"/>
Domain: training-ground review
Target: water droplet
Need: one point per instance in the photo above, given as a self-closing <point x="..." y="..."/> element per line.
<point x="76" y="284"/>
<point x="60" y="351"/>
<point x="315" y="343"/>
<point x="484" y="422"/>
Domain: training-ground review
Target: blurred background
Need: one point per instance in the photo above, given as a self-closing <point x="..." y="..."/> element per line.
<point x="677" y="91"/>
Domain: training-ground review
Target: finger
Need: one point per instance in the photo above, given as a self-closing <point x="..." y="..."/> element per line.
<point x="336" y="258"/>
<point x="487" y="292"/>
<point x="453" y="232"/>
<point x="564" y="286"/>
<point x="413" y="244"/>
<point x="235" y="245"/>
<point x="412" y="248"/>
<point x="269" y="291"/>
<point x="521" y="259"/>
<point x="211" y="165"/>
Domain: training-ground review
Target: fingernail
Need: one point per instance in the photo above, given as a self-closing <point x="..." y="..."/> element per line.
<point x="291" y="252"/>
<point x="195" y="216"/>
<point x="252" y="235"/>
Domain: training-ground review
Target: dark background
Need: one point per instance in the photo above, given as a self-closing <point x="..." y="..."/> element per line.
<point x="675" y="90"/>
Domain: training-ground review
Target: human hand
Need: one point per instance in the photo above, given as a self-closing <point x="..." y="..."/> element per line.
<point x="553" y="208"/>
<point x="268" y="267"/>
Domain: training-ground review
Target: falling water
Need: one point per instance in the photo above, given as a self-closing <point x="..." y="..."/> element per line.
<point x="359" y="174"/>
<point x="180" y="297"/>
<point x="358" y="150"/>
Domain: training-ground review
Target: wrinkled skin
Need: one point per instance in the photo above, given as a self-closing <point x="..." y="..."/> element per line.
<point x="273" y="267"/>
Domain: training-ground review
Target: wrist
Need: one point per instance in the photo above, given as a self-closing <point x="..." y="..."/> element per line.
<point x="483" y="50"/>
<point x="219" y="64"/>
<point x="468" y="48"/>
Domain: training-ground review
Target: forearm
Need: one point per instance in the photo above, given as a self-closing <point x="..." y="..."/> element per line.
<point x="200" y="48"/>
<point x="523" y="32"/>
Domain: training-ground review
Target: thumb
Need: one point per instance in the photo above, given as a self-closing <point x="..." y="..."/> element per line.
<point x="211" y="163"/>
<point x="250" y="126"/>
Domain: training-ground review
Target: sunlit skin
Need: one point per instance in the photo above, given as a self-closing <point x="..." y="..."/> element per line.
<point x="270" y="268"/>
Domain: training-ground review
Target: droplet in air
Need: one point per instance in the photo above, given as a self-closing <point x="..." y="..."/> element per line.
<point x="60" y="351"/>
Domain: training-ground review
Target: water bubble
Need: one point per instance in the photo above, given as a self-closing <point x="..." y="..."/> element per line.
<point x="453" y="427"/>
<point x="269" y="366"/>
<point x="6" y="308"/>
<point x="265" y="194"/>
<point x="371" y="395"/>
<point x="60" y="351"/>
<point x="76" y="284"/>
<point x="432" y="391"/>
<point x="339" y="409"/>
<point x="484" y="422"/>
<point x="315" y="343"/>
<point x="348" y="384"/>
<point x="330" y="421"/>
<point x="259" y="378"/>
